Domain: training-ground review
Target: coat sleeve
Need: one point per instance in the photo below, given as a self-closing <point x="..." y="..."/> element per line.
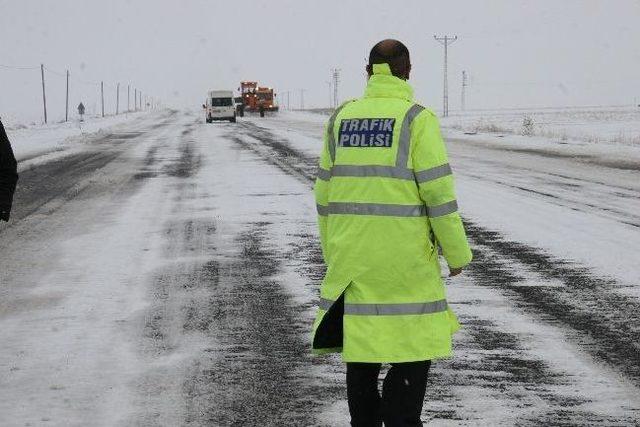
<point x="321" y="191"/>
<point x="436" y="186"/>
<point x="8" y="169"/>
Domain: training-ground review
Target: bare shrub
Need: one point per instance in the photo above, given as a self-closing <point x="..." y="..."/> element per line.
<point x="527" y="126"/>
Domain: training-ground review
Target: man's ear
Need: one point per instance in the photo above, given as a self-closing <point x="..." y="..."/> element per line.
<point x="408" y="71"/>
<point x="369" y="69"/>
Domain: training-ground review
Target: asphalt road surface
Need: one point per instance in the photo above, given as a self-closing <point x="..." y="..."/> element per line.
<point x="167" y="274"/>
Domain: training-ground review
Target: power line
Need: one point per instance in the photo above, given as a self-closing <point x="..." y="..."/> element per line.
<point x="445" y="41"/>
<point x="88" y="83"/>
<point x="18" y="67"/>
<point x="55" y="72"/>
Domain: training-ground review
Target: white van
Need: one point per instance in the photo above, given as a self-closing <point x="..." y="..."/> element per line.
<point x="219" y="106"/>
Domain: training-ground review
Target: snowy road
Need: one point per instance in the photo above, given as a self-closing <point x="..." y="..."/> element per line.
<point x="166" y="274"/>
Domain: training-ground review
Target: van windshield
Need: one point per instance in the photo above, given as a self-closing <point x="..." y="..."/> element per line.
<point x="221" y="102"/>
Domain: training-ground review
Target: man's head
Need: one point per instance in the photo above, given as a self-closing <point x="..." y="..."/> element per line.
<point x="393" y="53"/>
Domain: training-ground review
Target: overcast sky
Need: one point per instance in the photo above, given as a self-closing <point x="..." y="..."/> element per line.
<point x="517" y="53"/>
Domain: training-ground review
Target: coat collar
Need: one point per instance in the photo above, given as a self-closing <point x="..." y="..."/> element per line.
<point x="382" y="84"/>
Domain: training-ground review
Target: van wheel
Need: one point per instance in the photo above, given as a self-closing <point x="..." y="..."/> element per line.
<point x="232" y="119"/>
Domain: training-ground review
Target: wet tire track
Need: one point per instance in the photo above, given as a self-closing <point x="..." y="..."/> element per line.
<point x="608" y="322"/>
<point x="161" y="161"/>
<point x="277" y="152"/>
<point x="41" y="184"/>
<point x="563" y="198"/>
<point x="257" y="377"/>
<point x="179" y="324"/>
<point x="189" y="162"/>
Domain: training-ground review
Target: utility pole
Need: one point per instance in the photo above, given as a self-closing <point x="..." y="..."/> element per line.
<point x="288" y="100"/>
<point x="336" y="79"/>
<point x="445" y="41"/>
<point x="102" y="97"/>
<point x="44" y="94"/>
<point x="464" y="87"/>
<point x="302" y="99"/>
<point x="330" y="94"/>
<point x="66" y="103"/>
<point x="117" y="99"/>
<point x="135" y="99"/>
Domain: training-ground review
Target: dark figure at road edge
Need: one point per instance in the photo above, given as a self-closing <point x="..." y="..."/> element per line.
<point x="8" y="175"/>
<point x="386" y="205"/>
<point x="81" y="111"/>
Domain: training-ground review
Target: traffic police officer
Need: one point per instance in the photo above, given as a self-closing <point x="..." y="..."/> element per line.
<point x="386" y="205"/>
<point x="8" y="175"/>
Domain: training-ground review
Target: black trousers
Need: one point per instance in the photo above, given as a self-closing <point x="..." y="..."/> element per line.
<point x="402" y="396"/>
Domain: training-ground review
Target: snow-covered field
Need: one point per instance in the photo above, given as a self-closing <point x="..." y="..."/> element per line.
<point x="165" y="271"/>
<point x="617" y="125"/>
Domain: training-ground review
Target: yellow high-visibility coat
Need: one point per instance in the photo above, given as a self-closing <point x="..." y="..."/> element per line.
<point x="386" y="202"/>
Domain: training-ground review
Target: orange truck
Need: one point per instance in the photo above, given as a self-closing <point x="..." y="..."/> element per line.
<point x="256" y="98"/>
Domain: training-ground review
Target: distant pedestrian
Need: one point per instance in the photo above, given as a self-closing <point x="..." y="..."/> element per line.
<point x="81" y="111"/>
<point x="386" y="204"/>
<point x="8" y="175"/>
